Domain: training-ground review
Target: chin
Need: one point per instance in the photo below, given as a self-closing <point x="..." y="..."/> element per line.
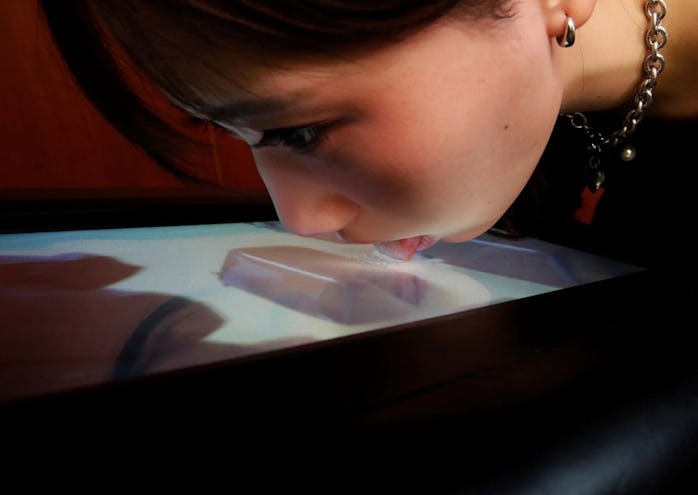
<point x="467" y="235"/>
<point x="458" y="238"/>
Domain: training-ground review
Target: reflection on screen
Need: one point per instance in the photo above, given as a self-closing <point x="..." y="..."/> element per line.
<point x="84" y="307"/>
<point x="326" y="285"/>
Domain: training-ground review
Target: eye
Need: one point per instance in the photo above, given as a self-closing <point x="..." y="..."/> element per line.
<point x="302" y="139"/>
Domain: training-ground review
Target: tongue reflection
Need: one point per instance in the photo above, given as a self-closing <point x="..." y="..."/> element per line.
<point x="404" y="249"/>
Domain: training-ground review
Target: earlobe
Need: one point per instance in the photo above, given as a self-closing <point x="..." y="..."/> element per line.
<point x="563" y="15"/>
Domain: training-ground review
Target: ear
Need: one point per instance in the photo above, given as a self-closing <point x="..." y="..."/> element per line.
<point x="557" y="11"/>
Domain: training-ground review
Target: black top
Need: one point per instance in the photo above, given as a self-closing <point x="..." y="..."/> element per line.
<point x="645" y="211"/>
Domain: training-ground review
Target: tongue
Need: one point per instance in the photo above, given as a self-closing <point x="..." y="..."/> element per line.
<point x="403" y="249"/>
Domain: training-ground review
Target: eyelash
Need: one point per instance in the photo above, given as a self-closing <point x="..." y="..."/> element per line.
<point x="310" y="137"/>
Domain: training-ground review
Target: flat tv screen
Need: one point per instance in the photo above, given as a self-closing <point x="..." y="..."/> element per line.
<point x="85" y="307"/>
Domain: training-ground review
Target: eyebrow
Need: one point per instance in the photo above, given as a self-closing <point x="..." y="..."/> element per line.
<point x="229" y="112"/>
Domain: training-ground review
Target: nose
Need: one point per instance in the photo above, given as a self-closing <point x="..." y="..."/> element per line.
<point x="310" y="209"/>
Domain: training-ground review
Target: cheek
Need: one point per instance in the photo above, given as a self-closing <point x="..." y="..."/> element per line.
<point x="380" y="167"/>
<point x="503" y="125"/>
<point x="462" y="164"/>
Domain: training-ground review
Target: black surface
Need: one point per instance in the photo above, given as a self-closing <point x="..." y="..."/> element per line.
<point x="52" y="210"/>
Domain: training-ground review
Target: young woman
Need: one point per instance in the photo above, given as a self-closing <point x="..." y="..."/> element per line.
<point x="402" y="123"/>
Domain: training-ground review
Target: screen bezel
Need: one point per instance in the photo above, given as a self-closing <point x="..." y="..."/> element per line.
<point x="49" y="210"/>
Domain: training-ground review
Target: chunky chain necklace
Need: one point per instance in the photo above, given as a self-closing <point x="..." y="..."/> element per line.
<point x="597" y="143"/>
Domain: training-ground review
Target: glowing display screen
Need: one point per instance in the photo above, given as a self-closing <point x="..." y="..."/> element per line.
<point x="83" y="307"/>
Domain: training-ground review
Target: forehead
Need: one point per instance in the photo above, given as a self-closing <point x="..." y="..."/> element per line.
<point x="250" y="84"/>
<point x="257" y="93"/>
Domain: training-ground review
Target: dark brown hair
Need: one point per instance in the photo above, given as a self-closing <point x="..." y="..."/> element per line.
<point x="154" y="33"/>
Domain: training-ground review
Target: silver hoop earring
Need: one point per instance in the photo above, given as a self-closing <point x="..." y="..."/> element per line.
<point x="567" y="39"/>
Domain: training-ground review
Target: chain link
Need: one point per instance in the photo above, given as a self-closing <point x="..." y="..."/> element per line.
<point x="655" y="10"/>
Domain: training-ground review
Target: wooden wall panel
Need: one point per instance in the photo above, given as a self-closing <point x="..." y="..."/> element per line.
<point x="52" y="138"/>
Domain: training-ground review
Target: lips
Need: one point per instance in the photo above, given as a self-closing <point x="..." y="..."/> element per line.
<point x="404" y="249"/>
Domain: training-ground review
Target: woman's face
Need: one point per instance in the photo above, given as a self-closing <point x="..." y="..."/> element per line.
<point x="435" y="136"/>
